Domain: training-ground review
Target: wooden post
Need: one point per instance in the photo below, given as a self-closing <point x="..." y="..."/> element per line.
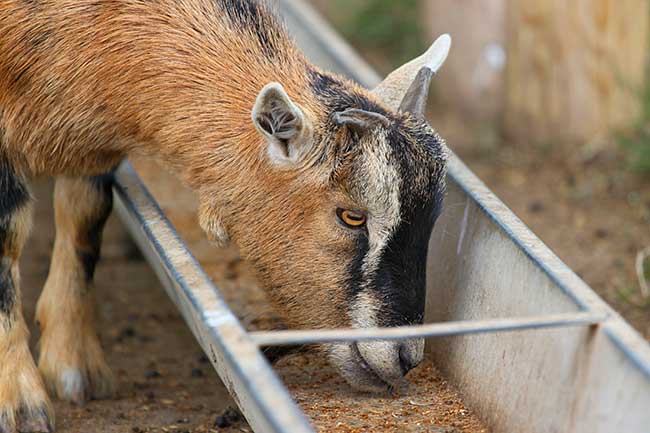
<point x="470" y="84"/>
<point x="575" y="68"/>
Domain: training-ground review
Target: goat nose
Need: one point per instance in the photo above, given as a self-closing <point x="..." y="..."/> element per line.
<point x="409" y="357"/>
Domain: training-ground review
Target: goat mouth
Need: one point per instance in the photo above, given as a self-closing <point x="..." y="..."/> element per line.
<point x="372" y="379"/>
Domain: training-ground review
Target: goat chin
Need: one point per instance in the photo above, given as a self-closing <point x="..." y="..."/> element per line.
<point x="375" y="366"/>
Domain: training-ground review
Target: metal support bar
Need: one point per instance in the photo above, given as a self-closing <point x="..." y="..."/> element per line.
<point x="291" y="337"/>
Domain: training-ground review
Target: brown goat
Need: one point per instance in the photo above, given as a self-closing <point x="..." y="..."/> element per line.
<point x="331" y="191"/>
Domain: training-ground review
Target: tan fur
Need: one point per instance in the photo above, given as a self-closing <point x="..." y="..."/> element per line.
<point x="21" y="386"/>
<point x="22" y="396"/>
<point x="71" y="358"/>
<point x="131" y="77"/>
<point x="84" y="84"/>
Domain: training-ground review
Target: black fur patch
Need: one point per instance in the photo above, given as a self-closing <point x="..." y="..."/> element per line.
<point x="89" y="255"/>
<point x="13" y="195"/>
<point x="255" y="18"/>
<point x="103" y="183"/>
<point x="7" y="289"/>
<point x="13" y="191"/>
<point x="355" y="269"/>
<point x="401" y="277"/>
<point x="336" y="94"/>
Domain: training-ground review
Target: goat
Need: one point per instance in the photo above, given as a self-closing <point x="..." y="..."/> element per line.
<point x="328" y="189"/>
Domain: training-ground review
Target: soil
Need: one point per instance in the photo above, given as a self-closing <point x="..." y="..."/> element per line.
<point x="429" y="405"/>
<point x="164" y="383"/>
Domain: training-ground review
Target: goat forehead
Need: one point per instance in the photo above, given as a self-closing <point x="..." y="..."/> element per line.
<point x="379" y="188"/>
<point x="398" y="170"/>
<point x="378" y="183"/>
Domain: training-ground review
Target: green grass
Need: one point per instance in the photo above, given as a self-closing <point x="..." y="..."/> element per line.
<point x="636" y="142"/>
<point x="390" y="27"/>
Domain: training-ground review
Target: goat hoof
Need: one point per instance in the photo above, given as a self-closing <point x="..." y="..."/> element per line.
<point x="24" y="405"/>
<point x="35" y="421"/>
<point x="73" y="364"/>
<point x="78" y="386"/>
<point x="26" y="421"/>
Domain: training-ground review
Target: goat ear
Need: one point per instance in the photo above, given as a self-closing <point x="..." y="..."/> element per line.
<point x="283" y="124"/>
<point x="360" y="121"/>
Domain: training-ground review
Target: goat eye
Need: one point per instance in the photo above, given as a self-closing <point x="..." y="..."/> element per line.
<point x="351" y="218"/>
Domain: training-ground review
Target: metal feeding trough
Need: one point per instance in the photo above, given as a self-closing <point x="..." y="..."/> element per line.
<point x="528" y="344"/>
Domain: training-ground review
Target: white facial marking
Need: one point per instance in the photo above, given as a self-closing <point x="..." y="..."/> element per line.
<point x="381" y="193"/>
<point x="364" y="309"/>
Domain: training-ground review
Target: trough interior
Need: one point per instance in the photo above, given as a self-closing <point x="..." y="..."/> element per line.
<point x="486" y="264"/>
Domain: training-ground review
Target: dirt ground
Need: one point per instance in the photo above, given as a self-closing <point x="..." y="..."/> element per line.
<point x="164" y="384"/>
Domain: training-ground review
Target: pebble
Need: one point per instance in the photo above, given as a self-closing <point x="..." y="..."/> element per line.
<point x="536" y="206"/>
<point x="229" y="417"/>
<point x="150" y="374"/>
<point x="601" y="233"/>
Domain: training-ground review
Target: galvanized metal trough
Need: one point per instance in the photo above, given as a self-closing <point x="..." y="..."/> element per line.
<point x="576" y="365"/>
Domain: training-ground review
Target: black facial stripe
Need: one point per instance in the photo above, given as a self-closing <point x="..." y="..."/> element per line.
<point x="355" y="269"/>
<point x="89" y="254"/>
<point x="400" y="279"/>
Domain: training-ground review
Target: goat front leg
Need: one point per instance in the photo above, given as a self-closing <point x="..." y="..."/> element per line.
<point x="24" y="405"/>
<point x="71" y="358"/>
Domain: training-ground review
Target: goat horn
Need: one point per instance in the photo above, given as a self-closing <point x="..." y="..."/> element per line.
<point x="406" y="88"/>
